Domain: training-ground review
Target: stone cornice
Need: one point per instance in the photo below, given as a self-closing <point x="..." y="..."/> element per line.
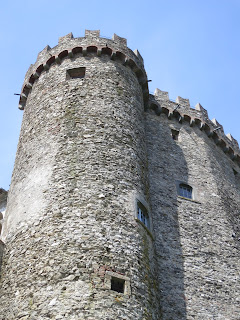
<point x="198" y="117"/>
<point x="68" y="46"/>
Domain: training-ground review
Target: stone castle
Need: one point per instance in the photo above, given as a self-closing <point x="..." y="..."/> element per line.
<point x="123" y="204"/>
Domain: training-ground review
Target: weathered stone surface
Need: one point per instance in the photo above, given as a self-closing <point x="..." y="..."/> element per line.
<point x="87" y="153"/>
<point x="197" y="242"/>
<point x="71" y="215"/>
<point x="3" y="199"/>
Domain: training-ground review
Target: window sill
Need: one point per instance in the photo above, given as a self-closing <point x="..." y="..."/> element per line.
<point x="148" y="231"/>
<point x="191" y="200"/>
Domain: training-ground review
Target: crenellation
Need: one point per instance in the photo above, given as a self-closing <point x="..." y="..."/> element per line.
<point x="42" y="54"/>
<point x="195" y="117"/>
<point x="233" y="141"/>
<point x="137" y="53"/>
<point x="183" y="102"/>
<point x="203" y="111"/>
<point x="65" y="39"/>
<point x="57" y="58"/>
<point x="92" y="33"/>
<point x="217" y="124"/>
<point x="122" y="203"/>
<point x="121" y="41"/>
<point x="161" y="94"/>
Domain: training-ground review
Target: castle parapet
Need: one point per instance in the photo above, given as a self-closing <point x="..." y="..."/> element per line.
<point x="119" y="40"/>
<point x="183" y="102"/>
<point x="203" y="111"/>
<point x="161" y="95"/>
<point x="181" y="110"/>
<point x="92" y="43"/>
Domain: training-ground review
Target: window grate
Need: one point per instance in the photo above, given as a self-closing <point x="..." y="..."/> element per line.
<point x="142" y="214"/>
<point x="185" y="191"/>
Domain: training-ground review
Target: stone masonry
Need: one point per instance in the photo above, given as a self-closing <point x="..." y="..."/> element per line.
<point x="96" y="226"/>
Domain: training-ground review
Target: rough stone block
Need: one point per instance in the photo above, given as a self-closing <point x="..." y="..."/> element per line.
<point x="120" y="40"/>
<point x="161" y="94"/>
<point x="92" y="33"/>
<point x="66" y="38"/>
<point x="137" y="53"/>
<point x="183" y="102"/>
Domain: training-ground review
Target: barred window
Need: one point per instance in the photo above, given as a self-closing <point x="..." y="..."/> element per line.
<point x="185" y="190"/>
<point x="142" y="214"/>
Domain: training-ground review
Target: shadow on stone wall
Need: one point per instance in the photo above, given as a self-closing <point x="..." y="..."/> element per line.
<point x="226" y="186"/>
<point x="3" y="204"/>
<point x="166" y="165"/>
<point x="219" y="244"/>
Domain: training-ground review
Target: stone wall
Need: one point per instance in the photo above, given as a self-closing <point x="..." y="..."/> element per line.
<point x="3" y="204"/>
<point x="88" y="154"/>
<point x="197" y="241"/>
<point x="71" y="217"/>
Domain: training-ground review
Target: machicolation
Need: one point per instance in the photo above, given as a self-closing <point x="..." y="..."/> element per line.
<point x="122" y="204"/>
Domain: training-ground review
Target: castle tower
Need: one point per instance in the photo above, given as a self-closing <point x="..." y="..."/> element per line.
<point x="123" y="204"/>
<point x="77" y="230"/>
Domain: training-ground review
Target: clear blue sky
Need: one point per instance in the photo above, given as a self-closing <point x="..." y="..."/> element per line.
<point x="191" y="48"/>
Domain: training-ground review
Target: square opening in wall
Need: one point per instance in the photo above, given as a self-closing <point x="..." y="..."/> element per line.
<point x="175" y="134"/>
<point x="76" y="73"/>
<point x="117" y="284"/>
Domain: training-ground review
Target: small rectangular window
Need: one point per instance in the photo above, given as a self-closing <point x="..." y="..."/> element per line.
<point x="175" y="134"/>
<point x="184" y="190"/>
<point x="117" y="284"/>
<point x="76" y="73"/>
<point x="142" y="214"/>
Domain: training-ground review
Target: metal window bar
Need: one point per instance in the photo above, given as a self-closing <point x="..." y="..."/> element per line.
<point x="185" y="191"/>
<point x="142" y="217"/>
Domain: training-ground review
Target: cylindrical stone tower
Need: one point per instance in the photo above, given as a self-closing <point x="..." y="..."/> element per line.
<point x="77" y="230"/>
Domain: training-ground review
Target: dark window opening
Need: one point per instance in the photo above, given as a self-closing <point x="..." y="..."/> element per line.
<point x="142" y="214"/>
<point x="175" y="134"/>
<point x="117" y="284"/>
<point x="185" y="191"/>
<point x="235" y="172"/>
<point x="76" y="73"/>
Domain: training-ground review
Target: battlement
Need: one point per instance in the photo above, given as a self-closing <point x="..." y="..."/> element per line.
<point x="68" y="46"/>
<point x="121" y="203"/>
<point x="181" y="110"/>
